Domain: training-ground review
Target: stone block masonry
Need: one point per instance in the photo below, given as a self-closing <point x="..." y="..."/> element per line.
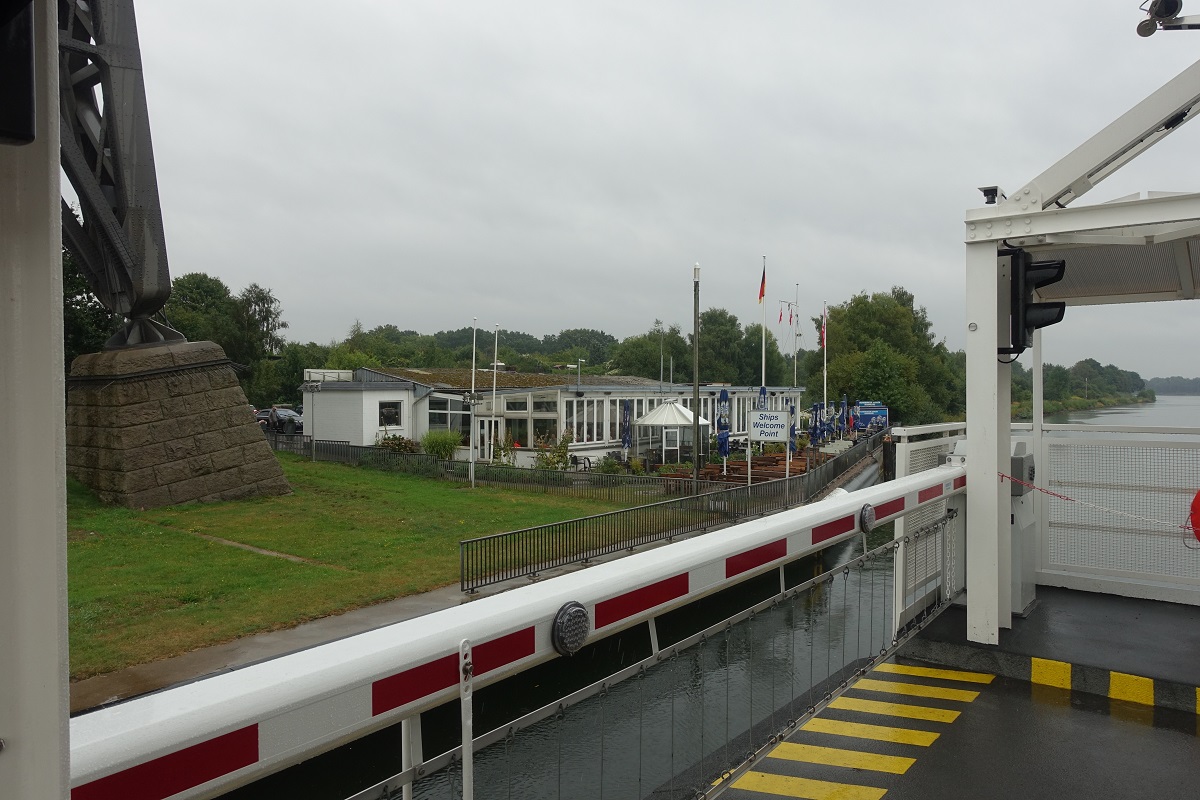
<point x="165" y="424"/>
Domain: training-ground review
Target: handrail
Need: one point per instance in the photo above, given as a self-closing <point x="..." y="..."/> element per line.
<point x="498" y="557"/>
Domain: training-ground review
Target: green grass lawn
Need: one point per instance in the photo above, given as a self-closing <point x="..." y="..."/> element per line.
<point x="146" y="585"/>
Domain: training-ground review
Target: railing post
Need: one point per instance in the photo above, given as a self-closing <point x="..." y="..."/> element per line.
<point x="466" y="671"/>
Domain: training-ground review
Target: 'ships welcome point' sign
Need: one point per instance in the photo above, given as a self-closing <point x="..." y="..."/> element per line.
<point x="768" y="426"/>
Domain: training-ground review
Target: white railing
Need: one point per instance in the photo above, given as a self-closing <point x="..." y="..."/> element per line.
<point x="1111" y="504"/>
<point x="1120" y="532"/>
<point x="214" y="735"/>
<point x="934" y="563"/>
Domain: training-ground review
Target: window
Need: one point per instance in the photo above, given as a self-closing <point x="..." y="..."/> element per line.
<point x="389" y="413"/>
<point x="515" y="404"/>
<point x="450" y="413"/>
<point x="545" y="406"/>
<point x="519" y="430"/>
<point x="545" y="430"/>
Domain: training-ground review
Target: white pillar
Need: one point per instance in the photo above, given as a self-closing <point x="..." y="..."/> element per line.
<point x="1041" y="508"/>
<point x="33" y="598"/>
<point x="987" y="437"/>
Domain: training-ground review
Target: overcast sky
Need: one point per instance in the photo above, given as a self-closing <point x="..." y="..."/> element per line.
<point x="564" y="164"/>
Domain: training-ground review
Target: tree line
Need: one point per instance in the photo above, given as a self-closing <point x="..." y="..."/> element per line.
<point x="880" y="346"/>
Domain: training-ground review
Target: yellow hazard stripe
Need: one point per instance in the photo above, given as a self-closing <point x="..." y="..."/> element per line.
<point x="916" y="690"/>
<point x="880" y="733"/>
<point x="930" y="672"/>
<point x="894" y="709"/>
<point x="789" y="786"/>
<point x="1048" y="672"/>
<point x="837" y="757"/>
<point x="1131" y="688"/>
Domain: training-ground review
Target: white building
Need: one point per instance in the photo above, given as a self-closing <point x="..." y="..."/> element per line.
<point x="364" y="405"/>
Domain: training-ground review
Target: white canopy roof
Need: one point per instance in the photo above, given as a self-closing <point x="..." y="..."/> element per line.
<point x="668" y="415"/>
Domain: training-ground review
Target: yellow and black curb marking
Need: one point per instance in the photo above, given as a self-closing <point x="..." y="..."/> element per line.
<point x="1114" y="685"/>
<point x="1128" y="688"/>
<point x="878" y="728"/>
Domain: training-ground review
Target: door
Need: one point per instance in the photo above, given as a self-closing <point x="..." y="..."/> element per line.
<point x="670" y="445"/>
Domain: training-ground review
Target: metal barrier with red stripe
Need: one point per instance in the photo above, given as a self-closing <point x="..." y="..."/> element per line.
<point x="208" y="737"/>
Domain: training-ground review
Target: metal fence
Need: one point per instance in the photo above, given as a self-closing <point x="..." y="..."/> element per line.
<point x="503" y="556"/>
<point x="623" y="490"/>
<point x="296" y="443"/>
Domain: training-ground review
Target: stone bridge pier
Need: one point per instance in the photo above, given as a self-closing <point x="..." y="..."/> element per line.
<point x="165" y="424"/>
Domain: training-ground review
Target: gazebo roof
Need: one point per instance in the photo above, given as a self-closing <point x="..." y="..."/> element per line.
<point x="668" y="415"/>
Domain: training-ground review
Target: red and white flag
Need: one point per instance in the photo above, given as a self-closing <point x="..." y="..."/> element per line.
<point x="781" y="315"/>
<point x="824" y="322"/>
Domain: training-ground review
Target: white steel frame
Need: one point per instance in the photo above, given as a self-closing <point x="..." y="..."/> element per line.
<point x="33" y="526"/>
<point x="1037" y="217"/>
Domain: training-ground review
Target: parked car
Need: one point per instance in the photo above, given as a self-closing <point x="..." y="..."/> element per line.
<point x="288" y="421"/>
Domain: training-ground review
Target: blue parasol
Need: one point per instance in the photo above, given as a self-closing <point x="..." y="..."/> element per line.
<point x="723" y="423"/>
<point x="626" y="427"/>
<point x="762" y="397"/>
<point x="791" y="427"/>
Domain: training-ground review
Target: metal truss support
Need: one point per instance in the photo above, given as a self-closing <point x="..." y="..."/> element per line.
<point x="108" y="158"/>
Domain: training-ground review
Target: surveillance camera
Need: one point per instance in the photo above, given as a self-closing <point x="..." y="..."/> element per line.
<point x="1165" y="9"/>
<point x="991" y="194"/>
<point x="1158" y="12"/>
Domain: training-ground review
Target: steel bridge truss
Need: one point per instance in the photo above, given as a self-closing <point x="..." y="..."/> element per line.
<point x="107" y="156"/>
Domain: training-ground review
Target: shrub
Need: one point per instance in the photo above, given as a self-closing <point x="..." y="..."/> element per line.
<point x="441" y="444"/>
<point x="551" y="454"/>
<point x="397" y="444"/>
<point x="608" y="466"/>
<point x="637" y="466"/>
<point x="506" y="450"/>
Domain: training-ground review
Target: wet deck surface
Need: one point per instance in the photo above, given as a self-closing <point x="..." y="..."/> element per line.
<point x="1140" y="637"/>
<point x="1089" y="696"/>
<point x="952" y="735"/>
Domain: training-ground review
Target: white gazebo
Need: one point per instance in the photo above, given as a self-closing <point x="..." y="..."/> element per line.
<point x="676" y="423"/>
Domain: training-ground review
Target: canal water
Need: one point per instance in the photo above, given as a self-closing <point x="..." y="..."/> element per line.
<point x="1169" y="411"/>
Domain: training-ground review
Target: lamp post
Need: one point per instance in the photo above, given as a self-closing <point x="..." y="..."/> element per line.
<point x="473" y="398"/>
<point x="492" y="425"/>
<point x="696" y="379"/>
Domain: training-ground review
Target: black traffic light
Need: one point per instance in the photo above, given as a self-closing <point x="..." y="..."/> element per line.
<point x="1027" y="316"/>
<point x="16" y="72"/>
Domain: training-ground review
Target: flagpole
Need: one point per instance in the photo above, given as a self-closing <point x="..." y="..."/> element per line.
<point x="796" y="340"/>
<point x="764" y="326"/>
<point x="474" y="398"/>
<point x="825" y="358"/>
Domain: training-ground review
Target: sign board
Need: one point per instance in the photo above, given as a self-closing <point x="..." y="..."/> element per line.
<point x="867" y="415"/>
<point x="768" y="426"/>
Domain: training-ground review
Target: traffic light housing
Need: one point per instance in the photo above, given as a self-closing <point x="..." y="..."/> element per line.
<point x="1027" y="316"/>
<point x="16" y="72"/>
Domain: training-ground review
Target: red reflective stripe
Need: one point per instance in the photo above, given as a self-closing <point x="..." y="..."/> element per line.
<point x="178" y="771"/>
<point x="832" y="529"/>
<point x="413" y="684"/>
<point x="889" y="508"/>
<point x="505" y="650"/>
<point x="929" y="494"/>
<point x="630" y="603"/>
<point x="960" y="482"/>
<point x="736" y="565"/>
